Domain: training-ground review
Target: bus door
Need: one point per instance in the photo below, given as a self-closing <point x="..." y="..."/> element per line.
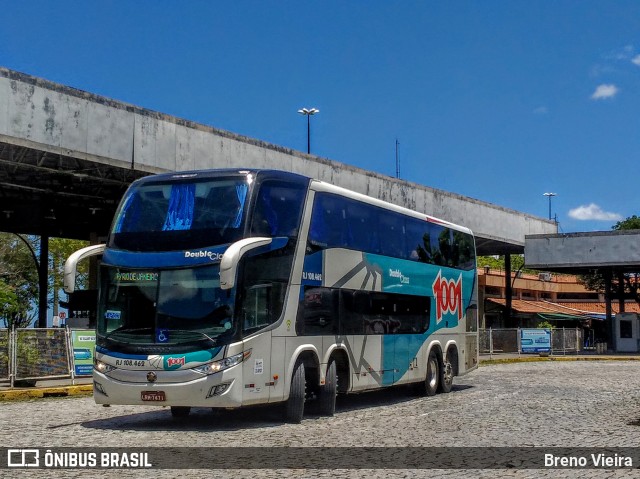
<point x="256" y="370"/>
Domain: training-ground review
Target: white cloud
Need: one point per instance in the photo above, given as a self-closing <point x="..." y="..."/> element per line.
<point x="593" y="212"/>
<point x="636" y="60"/>
<point x="604" y="91"/>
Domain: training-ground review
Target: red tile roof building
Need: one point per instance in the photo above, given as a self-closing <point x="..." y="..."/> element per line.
<point x="560" y="299"/>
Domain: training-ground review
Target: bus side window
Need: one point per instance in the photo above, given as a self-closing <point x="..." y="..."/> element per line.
<point x="392" y="235"/>
<point x="277" y="210"/>
<point x="362" y="229"/>
<point x="327" y="223"/>
<point x="265" y="220"/>
<point x="256" y="307"/>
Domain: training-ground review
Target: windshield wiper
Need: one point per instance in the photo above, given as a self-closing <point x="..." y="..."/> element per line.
<point x="213" y="341"/>
<point x="126" y="330"/>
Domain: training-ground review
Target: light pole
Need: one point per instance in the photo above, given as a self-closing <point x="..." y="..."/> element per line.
<point x="308" y="112"/>
<point x="549" y="195"/>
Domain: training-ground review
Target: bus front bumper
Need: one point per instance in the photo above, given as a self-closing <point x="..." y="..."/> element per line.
<point x="219" y="390"/>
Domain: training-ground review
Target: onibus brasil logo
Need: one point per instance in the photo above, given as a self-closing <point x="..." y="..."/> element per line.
<point x="448" y="294"/>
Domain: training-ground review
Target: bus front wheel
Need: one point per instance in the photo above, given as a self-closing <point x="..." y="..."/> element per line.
<point x="294" y="407"/>
<point x="327" y="396"/>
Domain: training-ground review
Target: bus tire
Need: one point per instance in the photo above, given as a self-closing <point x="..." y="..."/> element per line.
<point x="294" y="407"/>
<point x="328" y="392"/>
<point x="429" y="387"/>
<point x="446" y="376"/>
<point x="180" y="411"/>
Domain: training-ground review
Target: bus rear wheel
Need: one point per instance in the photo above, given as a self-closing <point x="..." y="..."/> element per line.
<point x="328" y="392"/>
<point x="446" y="374"/>
<point x="180" y="411"/>
<point x="294" y="407"/>
<point x="429" y="386"/>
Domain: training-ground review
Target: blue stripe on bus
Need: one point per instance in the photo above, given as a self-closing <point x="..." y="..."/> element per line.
<point x="114" y="354"/>
<point x="202" y="356"/>
<point x="164" y="260"/>
<point x="174" y="259"/>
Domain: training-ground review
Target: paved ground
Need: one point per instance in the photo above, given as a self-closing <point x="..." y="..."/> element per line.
<point x="541" y="404"/>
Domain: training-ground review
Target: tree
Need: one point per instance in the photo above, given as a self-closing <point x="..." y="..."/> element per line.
<point x="19" y="275"/>
<point x="631" y="223"/>
<point x="631" y="281"/>
<point x="9" y="305"/>
<point x="59" y="250"/>
<point x="497" y="262"/>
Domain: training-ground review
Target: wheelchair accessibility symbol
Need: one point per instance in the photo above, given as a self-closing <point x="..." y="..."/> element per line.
<point x="162" y="335"/>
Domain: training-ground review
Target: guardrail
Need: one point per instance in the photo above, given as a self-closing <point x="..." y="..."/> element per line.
<point x="30" y="354"/>
<point x="508" y="341"/>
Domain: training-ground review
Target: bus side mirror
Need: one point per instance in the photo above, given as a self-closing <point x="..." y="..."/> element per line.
<point x="232" y="256"/>
<point x="71" y="265"/>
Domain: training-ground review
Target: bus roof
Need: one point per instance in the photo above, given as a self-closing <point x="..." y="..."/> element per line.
<point x="323" y="186"/>
<point x="317" y="185"/>
<point x="217" y="173"/>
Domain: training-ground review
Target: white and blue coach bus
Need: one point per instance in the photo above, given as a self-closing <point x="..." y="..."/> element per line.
<point x="228" y="288"/>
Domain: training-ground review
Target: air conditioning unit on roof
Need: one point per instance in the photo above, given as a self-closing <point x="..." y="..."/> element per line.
<point x="544" y="276"/>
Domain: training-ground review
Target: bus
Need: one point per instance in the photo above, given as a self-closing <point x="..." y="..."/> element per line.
<point x="230" y="288"/>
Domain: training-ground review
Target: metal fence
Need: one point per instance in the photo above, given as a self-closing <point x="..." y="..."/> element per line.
<point x="30" y="354"/>
<point x="507" y="341"/>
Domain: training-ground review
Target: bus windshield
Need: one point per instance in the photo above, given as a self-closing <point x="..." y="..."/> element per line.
<point x="165" y="307"/>
<point x="180" y="215"/>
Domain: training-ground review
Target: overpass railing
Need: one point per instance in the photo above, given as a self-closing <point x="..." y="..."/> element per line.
<point x="31" y="354"/>
<point x="507" y="341"/>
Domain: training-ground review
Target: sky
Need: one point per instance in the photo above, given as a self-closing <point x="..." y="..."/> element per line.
<point x="501" y="101"/>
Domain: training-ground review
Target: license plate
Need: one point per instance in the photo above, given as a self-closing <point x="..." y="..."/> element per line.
<point x="153" y="396"/>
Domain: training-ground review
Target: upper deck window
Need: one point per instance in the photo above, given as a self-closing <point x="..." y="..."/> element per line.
<point x="339" y="222"/>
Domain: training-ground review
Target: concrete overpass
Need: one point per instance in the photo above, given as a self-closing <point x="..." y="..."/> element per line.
<point x="66" y="157"/>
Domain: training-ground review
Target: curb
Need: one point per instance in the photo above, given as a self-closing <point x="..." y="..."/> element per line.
<point x="39" y="393"/>
<point x="486" y="362"/>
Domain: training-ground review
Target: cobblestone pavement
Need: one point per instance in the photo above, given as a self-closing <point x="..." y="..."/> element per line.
<point x="542" y="404"/>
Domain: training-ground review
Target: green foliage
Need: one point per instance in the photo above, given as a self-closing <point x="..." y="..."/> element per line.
<point x="59" y="250"/>
<point x="631" y="223"/>
<point x="545" y="325"/>
<point x="497" y="262"/>
<point x="19" y="275"/>
<point x="9" y="304"/>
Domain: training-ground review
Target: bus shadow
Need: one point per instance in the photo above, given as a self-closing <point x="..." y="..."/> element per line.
<point x="384" y="397"/>
<point x="203" y="419"/>
<point x="200" y="419"/>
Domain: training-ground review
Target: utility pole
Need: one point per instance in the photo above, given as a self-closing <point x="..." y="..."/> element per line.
<point x="397" y="159"/>
<point x="549" y="195"/>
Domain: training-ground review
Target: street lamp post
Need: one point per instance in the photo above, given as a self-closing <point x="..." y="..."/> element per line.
<point x="549" y="195"/>
<point x="308" y="112"/>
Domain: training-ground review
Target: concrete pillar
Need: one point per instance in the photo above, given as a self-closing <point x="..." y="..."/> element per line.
<point x="607" y="298"/>
<point x="621" y="291"/>
<point x="507" y="290"/>
<point x="43" y="281"/>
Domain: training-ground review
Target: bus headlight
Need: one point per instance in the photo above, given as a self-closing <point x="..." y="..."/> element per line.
<point x="226" y="363"/>
<point x="102" y="367"/>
